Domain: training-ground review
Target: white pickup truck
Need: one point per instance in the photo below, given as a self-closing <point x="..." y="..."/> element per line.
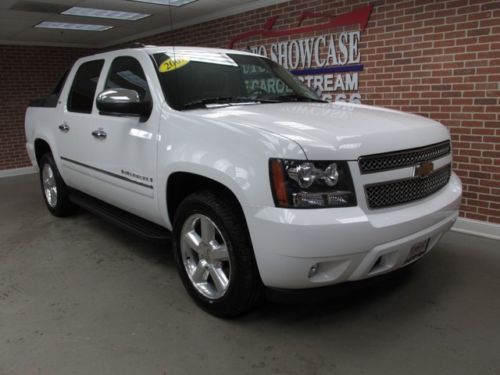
<point x="259" y="182"/>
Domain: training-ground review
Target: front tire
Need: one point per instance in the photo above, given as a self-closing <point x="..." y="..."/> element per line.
<point x="55" y="192"/>
<point x="214" y="255"/>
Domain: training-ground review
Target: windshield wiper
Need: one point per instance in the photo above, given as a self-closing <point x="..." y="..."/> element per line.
<point x="202" y="103"/>
<point x="297" y="98"/>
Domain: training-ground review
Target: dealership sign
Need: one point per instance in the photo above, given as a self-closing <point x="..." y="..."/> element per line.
<point x="327" y="63"/>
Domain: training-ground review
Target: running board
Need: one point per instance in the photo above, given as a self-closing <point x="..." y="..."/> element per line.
<point x="120" y="218"/>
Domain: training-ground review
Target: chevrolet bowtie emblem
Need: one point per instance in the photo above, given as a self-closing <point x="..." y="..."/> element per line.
<point x="424" y="169"/>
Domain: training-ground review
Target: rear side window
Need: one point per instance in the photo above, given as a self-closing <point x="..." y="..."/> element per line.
<point x="81" y="96"/>
<point x="127" y="73"/>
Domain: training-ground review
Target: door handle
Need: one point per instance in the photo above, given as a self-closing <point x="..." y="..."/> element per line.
<point x="64" y="127"/>
<point x="99" y="134"/>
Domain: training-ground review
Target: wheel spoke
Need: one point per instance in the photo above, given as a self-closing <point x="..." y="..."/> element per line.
<point x="193" y="240"/>
<point x="219" y="252"/>
<point x="207" y="230"/>
<point x="219" y="278"/>
<point x="53" y="196"/>
<point x="199" y="274"/>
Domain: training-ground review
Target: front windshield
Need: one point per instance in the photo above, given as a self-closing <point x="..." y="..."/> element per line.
<point x="197" y="79"/>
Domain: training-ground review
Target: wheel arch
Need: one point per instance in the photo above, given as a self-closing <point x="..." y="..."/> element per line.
<point x="181" y="184"/>
<point x="41" y="148"/>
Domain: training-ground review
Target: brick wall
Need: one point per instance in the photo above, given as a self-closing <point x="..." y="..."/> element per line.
<point x="26" y="73"/>
<point x="440" y="59"/>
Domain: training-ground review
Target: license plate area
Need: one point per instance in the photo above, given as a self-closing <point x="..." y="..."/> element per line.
<point x="417" y="250"/>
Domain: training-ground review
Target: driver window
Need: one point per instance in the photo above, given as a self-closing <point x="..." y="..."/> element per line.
<point x="126" y="73"/>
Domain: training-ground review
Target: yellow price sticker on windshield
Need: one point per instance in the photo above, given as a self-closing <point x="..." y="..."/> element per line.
<point x="171" y="64"/>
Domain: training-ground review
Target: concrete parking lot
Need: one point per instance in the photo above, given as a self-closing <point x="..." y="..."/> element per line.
<point x="79" y="296"/>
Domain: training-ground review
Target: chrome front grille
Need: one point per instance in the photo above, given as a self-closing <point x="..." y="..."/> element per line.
<point x="391" y="193"/>
<point x="402" y="159"/>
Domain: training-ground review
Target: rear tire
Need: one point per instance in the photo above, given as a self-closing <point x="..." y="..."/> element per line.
<point x="214" y="255"/>
<point x="55" y="192"/>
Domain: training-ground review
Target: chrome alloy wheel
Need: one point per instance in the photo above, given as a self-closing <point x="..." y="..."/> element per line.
<point x="49" y="185"/>
<point x="205" y="256"/>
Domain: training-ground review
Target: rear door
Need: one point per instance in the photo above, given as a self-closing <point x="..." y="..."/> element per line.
<point x="73" y="127"/>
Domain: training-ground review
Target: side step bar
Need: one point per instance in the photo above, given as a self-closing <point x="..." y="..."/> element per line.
<point x="121" y="218"/>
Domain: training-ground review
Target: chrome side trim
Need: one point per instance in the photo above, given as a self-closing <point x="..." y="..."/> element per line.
<point x="106" y="172"/>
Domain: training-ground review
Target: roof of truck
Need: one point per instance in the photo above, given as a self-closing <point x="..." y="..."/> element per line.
<point x="159" y="49"/>
<point x="188" y="51"/>
<point x="151" y="50"/>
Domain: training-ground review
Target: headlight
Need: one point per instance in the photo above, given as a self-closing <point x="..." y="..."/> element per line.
<point x="307" y="184"/>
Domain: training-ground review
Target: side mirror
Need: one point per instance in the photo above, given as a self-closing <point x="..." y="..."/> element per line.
<point x="123" y="102"/>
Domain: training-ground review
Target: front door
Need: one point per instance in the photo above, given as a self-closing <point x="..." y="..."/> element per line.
<point x="123" y="149"/>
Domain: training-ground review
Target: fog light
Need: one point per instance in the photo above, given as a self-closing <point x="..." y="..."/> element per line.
<point x="313" y="270"/>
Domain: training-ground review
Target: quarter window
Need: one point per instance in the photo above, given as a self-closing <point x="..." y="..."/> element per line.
<point x="81" y="96"/>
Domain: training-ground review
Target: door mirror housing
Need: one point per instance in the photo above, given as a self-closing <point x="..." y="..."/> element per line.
<point x="123" y="102"/>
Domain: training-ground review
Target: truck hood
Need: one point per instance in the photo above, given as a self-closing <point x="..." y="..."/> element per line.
<point x="333" y="130"/>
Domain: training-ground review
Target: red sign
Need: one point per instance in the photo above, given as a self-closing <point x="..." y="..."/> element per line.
<point x="358" y="16"/>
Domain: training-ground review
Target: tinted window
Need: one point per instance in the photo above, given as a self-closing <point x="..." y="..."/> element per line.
<point x="127" y="73"/>
<point x="258" y="78"/>
<point x="191" y="76"/>
<point x="81" y="96"/>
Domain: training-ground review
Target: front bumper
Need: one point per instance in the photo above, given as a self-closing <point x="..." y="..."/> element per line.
<point x="346" y="244"/>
